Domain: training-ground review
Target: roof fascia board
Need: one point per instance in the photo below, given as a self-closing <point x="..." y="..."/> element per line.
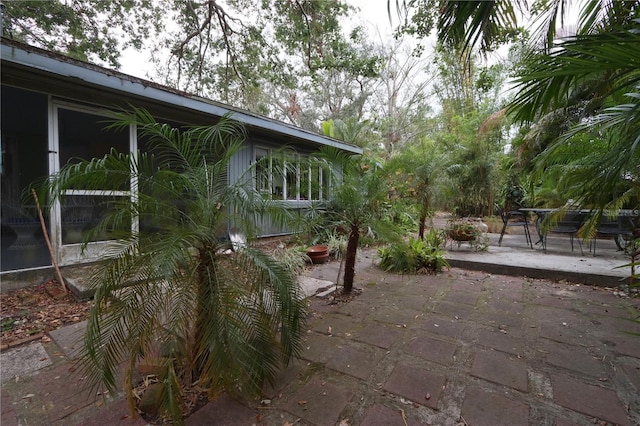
<point x="118" y="82"/>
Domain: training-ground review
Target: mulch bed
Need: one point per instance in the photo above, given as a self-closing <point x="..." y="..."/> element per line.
<point x="27" y="314"/>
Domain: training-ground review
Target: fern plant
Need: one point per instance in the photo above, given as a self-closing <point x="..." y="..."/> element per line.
<point x="415" y="256"/>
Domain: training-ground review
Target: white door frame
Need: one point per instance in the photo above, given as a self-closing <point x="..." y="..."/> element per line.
<point x="68" y="254"/>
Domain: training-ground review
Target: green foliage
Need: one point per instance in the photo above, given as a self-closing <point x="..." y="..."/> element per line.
<point x="402" y="213"/>
<point x="232" y="320"/>
<point x="294" y="259"/>
<point x="418" y="175"/>
<point x="415" y="256"/>
<point x="435" y="238"/>
<point x="83" y="29"/>
<point x="460" y="230"/>
<point x="272" y="58"/>
<point x="582" y="102"/>
<point x="473" y="168"/>
<point x="337" y="245"/>
<point x="356" y="203"/>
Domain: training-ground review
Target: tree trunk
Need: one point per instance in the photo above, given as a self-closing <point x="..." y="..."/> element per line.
<point x="350" y="259"/>
<point x="206" y="270"/>
<point x="423" y="218"/>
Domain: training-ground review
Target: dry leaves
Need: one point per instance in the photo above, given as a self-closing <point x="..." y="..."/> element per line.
<point x="31" y="311"/>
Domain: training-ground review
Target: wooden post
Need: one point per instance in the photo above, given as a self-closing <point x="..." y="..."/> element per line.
<point x="48" y="241"/>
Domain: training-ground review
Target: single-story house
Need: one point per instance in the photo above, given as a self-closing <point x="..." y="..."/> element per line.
<point x="53" y="109"/>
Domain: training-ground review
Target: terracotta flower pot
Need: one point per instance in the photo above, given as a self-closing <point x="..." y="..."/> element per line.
<point x="318" y="254"/>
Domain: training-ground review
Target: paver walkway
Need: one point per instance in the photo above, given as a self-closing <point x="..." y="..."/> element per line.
<point x="460" y="348"/>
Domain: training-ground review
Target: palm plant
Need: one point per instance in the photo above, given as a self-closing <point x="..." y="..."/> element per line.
<point x="422" y="172"/>
<point x="597" y="77"/>
<point x="225" y="322"/>
<point x="356" y="202"/>
<point x="584" y="84"/>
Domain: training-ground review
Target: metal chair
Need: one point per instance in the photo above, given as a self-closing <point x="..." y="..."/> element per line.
<point x="569" y="224"/>
<point x="620" y="228"/>
<point x="515" y="218"/>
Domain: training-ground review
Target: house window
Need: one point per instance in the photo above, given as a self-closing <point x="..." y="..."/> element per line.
<point x="262" y="171"/>
<point x="278" y="183"/>
<point x="289" y="178"/>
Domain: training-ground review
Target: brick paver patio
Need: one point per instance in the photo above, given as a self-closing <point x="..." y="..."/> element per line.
<point x="459" y="348"/>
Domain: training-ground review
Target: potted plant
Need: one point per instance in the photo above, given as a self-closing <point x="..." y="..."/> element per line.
<point x="461" y="231"/>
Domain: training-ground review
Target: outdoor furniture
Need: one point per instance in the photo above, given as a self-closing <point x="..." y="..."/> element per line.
<point x="607" y="226"/>
<point x="515" y="218"/>
<point x="619" y="227"/>
<point x="569" y="224"/>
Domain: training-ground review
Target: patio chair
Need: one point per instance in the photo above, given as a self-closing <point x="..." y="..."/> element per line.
<point x="569" y="225"/>
<point x="515" y="218"/>
<point x="618" y="228"/>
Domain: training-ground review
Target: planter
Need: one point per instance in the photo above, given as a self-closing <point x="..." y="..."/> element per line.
<point x="457" y="235"/>
<point x="318" y="254"/>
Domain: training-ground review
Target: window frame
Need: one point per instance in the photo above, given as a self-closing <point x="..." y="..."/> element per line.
<point x="71" y="253"/>
<point x="300" y="191"/>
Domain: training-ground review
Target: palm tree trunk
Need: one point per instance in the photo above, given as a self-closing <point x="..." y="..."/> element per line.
<point x="424" y="211"/>
<point x="422" y="224"/>
<point x="350" y="259"/>
<point x="421" y="227"/>
<point x="206" y="270"/>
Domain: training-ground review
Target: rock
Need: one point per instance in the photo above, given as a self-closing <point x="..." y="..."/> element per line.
<point x="150" y="401"/>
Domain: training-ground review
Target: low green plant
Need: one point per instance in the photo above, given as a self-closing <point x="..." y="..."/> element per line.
<point x="7" y="324"/>
<point x="480" y="242"/>
<point x="415" y="256"/>
<point x="435" y="238"/>
<point x="337" y="245"/>
<point x="294" y="258"/>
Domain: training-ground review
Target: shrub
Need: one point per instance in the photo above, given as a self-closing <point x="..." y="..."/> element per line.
<point x="337" y="245"/>
<point x="414" y="256"/>
<point x="294" y="259"/>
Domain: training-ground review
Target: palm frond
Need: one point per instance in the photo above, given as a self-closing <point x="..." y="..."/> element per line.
<point x="609" y="63"/>
<point x="476" y="23"/>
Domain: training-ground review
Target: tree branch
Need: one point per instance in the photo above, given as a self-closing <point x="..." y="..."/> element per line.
<point x="306" y="20"/>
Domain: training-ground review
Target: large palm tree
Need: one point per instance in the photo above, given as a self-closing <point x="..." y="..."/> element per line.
<point x="485" y="24"/>
<point x="171" y="290"/>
